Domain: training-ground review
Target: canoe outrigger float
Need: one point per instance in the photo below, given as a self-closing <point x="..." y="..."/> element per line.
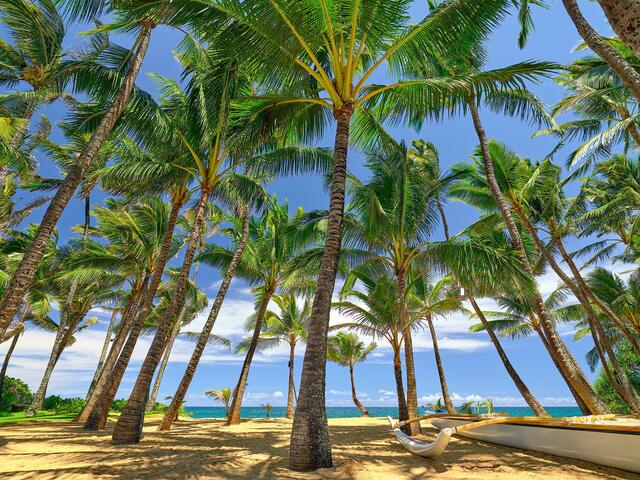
<point x="602" y="439"/>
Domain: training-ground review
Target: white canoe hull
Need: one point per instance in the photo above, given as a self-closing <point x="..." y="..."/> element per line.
<point x="619" y="450"/>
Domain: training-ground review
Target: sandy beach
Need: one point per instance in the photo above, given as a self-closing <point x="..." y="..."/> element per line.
<point x="363" y="448"/>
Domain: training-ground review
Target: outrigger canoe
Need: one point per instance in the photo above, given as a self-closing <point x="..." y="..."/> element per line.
<point x="604" y="440"/>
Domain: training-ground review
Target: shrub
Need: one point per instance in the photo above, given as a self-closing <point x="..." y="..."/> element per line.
<point x="69" y="405"/>
<point x="15" y="394"/>
<point x="118" y="405"/>
<point x="52" y="402"/>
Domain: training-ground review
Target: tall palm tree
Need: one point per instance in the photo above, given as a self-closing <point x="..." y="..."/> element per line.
<point x="391" y="216"/>
<point x="90" y="293"/>
<point x="202" y="340"/>
<point x="138" y="238"/>
<point x="289" y="326"/>
<point x="124" y="86"/>
<point x="347" y="349"/>
<point x="374" y="313"/>
<point x="271" y="261"/>
<point x="315" y="63"/>
<point x="430" y="300"/>
<point x="536" y="195"/>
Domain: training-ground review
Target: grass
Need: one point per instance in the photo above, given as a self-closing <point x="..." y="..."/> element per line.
<point x="42" y="416"/>
<point x="51" y="416"/>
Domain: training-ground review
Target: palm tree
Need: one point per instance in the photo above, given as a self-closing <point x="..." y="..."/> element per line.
<point x="36" y="30"/>
<point x="315" y="63"/>
<point x="222" y="396"/>
<point x="73" y="319"/>
<point x="535" y="195"/>
<point x="427" y="301"/>
<point x="347" y="349"/>
<point x="195" y="301"/>
<point x="288" y="326"/>
<point x="374" y="313"/>
<point x="607" y="113"/>
<point x="271" y="261"/>
<point x="138" y="240"/>
<point x="391" y="216"/>
<point x="124" y="85"/>
<point x="571" y="369"/>
<point x="181" y="391"/>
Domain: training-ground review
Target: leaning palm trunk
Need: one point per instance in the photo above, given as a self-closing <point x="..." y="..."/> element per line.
<point x="128" y="429"/>
<point x="624" y="18"/>
<point x="354" y="397"/>
<point x="5" y="362"/>
<point x="443" y="381"/>
<point x="103" y="354"/>
<point x="23" y="276"/>
<point x="238" y="392"/>
<point x="165" y="359"/>
<point x="531" y="400"/>
<point x="310" y="447"/>
<point x="573" y="372"/>
<point x="583" y="293"/>
<point x="552" y="354"/>
<point x="126" y="322"/>
<point x="412" y="392"/>
<point x="62" y="337"/>
<point x="178" y="397"/>
<point x="629" y="76"/>
<point x="147" y="302"/>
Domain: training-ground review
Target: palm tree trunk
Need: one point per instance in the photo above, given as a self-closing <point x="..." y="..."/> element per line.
<point x="238" y="392"/>
<point x="128" y="429"/>
<point x="310" y="446"/>
<point x="573" y="372"/>
<point x="402" y="402"/>
<point x="23" y="276"/>
<point x="354" y="397"/>
<point x="147" y="302"/>
<point x="621" y="382"/>
<point x="292" y="386"/>
<point x="126" y="323"/>
<point x="59" y="343"/>
<point x="624" y="18"/>
<point x="5" y="362"/>
<point x="581" y="405"/>
<point x="583" y="293"/>
<point x="443" y="381"/>
<point x="165" y="360"/>
<point x="412" y="392"/>
<point x="190" y="371"/>
<point x="103" y="354"/>
<point x="629" y="76"/>
<point x="531" y="400"/>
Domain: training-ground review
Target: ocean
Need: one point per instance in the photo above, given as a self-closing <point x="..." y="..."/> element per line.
<point x="349" y="412"/>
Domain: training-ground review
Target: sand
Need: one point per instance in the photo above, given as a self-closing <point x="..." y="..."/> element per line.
<point x="257" y="449"/>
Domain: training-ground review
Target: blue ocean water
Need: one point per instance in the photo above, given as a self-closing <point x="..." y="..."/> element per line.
<point x="349" y="412"/>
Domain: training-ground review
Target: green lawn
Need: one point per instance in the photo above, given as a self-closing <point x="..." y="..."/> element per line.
<point x="50" y="416"/>
<point x="42" y="416"/>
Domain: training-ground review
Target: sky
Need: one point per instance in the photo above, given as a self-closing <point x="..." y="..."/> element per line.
<point x="471" y="364"/>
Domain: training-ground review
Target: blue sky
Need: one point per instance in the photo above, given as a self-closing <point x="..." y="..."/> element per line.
<point x="473" y="368"/>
